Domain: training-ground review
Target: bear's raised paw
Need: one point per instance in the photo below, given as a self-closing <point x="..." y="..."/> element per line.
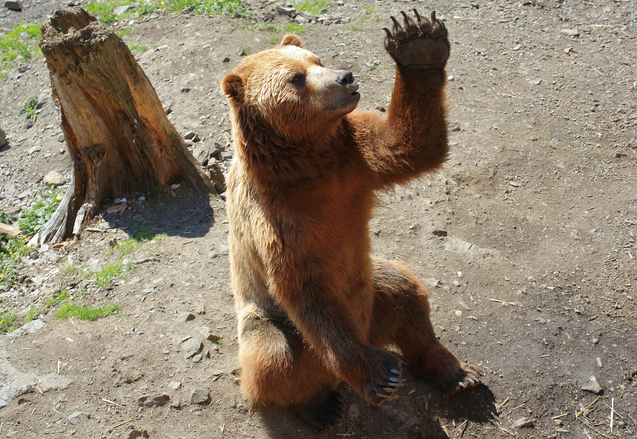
<point x="421" y="43"/>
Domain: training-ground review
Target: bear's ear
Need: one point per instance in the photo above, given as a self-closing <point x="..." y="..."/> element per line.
<point x="291" y="40"/>
<point x="232" y="85"/>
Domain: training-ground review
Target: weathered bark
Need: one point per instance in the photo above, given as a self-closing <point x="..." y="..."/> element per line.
<point x="116" y="130"/>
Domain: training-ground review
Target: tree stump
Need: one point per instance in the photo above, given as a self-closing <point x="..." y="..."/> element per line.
<point x="116" y="130"/>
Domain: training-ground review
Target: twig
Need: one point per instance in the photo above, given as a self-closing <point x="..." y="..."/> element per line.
<point x="620" y="416"/>
<point x="505" y="430"/>
<point x="462" y="426"/>
<point x="455" y="17"/>
<point x="112" y="402"/>
<point x="587" y="407"/>
<point x="503" y="403"/>
<point x="504" y="302"/>
<point x="120" y="424"/>
<point x="58" y="367"/>
<point x="585" y="422"/>
<point x="559" y="416"/>
<point x="612" y="411"/>
<point x="33" y="411"/>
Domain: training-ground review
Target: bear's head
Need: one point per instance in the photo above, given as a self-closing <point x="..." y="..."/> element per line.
<point x="286" y="92"/>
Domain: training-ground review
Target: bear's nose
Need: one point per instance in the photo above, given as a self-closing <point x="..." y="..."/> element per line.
<point x="345" y="77"/>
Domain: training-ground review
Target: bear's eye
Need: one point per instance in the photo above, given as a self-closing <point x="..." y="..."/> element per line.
<point x="298" y="80"/>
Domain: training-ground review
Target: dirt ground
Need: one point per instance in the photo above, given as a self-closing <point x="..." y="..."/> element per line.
<point x="526" y="238"/>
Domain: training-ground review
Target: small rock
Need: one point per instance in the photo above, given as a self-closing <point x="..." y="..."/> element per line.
<point x="34" y="149"/>
<point x="3" y="137"/>
<point x="535" y="81"/>
<point x="592" y="386"/>
<point x="191" y="347"/>
<point x="570" y="32"/>
<point x="76" y="417"/>
<point x="134" y="434"/>
<point x="205" y="332"/>
<point x="290" y="12"/>
<point x="224" y="250"/>
<point x="183" y="317"/>
<point x="54" y="178"/>
<point x="225" y="59"/>
<point x="458" y="313"/>
<point x="432" y="282"/>
<point x="415" y="227"/>
<point x="157" y="400"/>
<point x="200" y="397"/>
<point x="43" y="99"/>
<point x="450" y="78"/>
<point x="599" y="362"/>
<point x="455" y="283"/>
<point x="523" y="423"/>
<point x="13" y="5"/>
<point x="175" y="385"/>
<point x="440" y="232"/>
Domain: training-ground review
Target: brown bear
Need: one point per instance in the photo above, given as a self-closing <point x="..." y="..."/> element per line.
<point x="315" y="309"/>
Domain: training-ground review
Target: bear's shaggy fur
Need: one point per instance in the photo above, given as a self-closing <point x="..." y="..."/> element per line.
<point x="315" y="309"/>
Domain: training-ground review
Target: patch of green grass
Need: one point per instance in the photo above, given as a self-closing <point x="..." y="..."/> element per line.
<point x="268" y="27"/>
<point x="35" y="311"/>
<point x="245" y="51"/>
<point x="275" y="39"/>
<point x="356" y="27"/>
<point x="373" y="69"/>
<point x="8" y="321"/>
<point x="230" y="8"/>
<point x="136" y="47"/>
<point x="38" y="213"/>
<point x="123" y="32"/>
<point x="11" y="249"/>
<point x="66" y="266"/>
<point x="312" y="6"/>
<point x="369" y="11"/>
<point x="105" y="10"/>
<point x="6" y="218"/>
<point x="116" y="270"/>
<point x="71" y="309"/>
<point x="14" y="49"/>
<point x="294" y="27"/>
<point x="30" y="109"/>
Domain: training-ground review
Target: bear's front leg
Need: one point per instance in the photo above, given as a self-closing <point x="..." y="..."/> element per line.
<point x="420" y="46"/>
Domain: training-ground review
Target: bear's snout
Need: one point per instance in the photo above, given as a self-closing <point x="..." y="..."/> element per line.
<point x="346" y="79"/>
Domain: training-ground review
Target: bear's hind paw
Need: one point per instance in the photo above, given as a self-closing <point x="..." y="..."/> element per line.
<point x="470" y="380"/>
<point x="323" y="412"/>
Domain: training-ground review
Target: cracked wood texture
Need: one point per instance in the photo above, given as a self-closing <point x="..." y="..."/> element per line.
<point x="117" y="132"/>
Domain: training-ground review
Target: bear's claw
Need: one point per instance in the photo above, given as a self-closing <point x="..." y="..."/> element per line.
<point x="470" y="380"/>
<point x="421" y="43"/>
<point x="385" y="391"/>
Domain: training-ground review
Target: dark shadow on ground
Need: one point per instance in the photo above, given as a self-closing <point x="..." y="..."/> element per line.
<point x="414" y="414"/>
<point x="188" y="214"/>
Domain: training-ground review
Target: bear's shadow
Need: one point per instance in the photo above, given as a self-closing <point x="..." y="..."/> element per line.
<point x="415" y="413"/>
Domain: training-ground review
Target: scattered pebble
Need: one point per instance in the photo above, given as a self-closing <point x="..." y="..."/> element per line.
<point x="200" y="397"/>
<point x="76" y="417"/>
<point x="523" y="423"/>
<point x="592" y="386"/>
<point x="157" y="400"/>
<point x="183" y="317"/>
<point x="191" y="347"/>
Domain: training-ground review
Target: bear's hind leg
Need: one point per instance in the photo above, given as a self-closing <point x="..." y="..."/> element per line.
<point x="401" y="317"/>
<point x="277" y="368"/>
